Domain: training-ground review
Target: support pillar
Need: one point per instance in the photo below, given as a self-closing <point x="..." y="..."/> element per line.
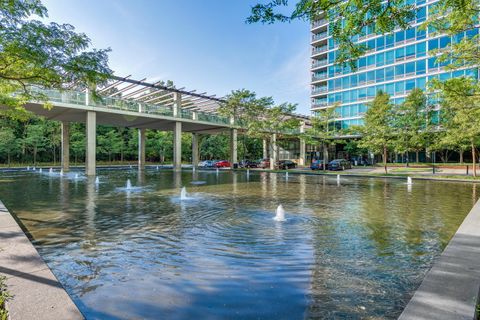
<point x="65" y="127"/>
<point x="91" y="133"/>
<point x="265" y="152"/>
<point x="195" y="150"/>
<point x="273" y="151"/>
<point x="141" y="148"/>
<point x="177" y="146"/>
<point x="233" y="146"/>
<point x="301" y="160"/>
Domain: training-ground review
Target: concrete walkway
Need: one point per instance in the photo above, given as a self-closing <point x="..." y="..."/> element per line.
<point x="450" y="289"/>
<point x="37" y="293"/>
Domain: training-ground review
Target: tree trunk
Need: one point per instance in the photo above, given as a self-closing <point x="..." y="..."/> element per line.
<point x="474" y="159"/>
<point x="385" y="159"/>
<point x="417" y="156"/>
<point x="325" y="156"/>
<point x="8" y="159"/>
<point x="407" y="159"/>
<point x="34" y="155"/>
<point x="461" y="156"/>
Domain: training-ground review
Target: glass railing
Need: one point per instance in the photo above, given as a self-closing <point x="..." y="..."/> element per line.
<point x="319" y="76"/>
<point x="319" y="23"/>
<point x="319" y="90"/>
<point x="319" y="63"/>
<point x="319" y="49"/>
<point x="79" y="98"/>
<point x="319" y="36"/>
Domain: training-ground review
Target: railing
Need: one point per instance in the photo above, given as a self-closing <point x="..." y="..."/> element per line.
<point x="79" y="98"/>
<point x="321" y="49"/>
<point x="319" y="36"/>
<point x="320" y="63"/>
<point x="319" y="76"/>
<point x="319" y="23"/>
<point x="319" y="90"/>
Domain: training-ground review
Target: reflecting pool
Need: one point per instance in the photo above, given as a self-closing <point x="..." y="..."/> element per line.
<point x="348" y="249"/>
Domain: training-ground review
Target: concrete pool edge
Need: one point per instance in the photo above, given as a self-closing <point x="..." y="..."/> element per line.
<point x="37" y="294"/>
<point x="450" y="288"/>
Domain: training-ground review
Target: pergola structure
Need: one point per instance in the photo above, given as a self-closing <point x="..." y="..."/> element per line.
<point x="126" y="102"/>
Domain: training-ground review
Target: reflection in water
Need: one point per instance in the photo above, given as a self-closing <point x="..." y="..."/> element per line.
<point x="357" y="250"/>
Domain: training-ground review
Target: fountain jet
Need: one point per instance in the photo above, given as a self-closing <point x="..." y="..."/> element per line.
<point x="280" y="214"/>
<point x="129" y="185"/>
<point x="409" y="181"/>
<point x="97" y="180"/>
<point x="183" y="194"/>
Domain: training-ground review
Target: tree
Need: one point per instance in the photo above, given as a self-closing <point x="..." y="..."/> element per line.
<point x="8" y="142"/>
<point x="160" y="143"/>
<point x="35" y="140"/>
<point x="34" y="54"/>
<point x="409" y="123"/>
<point x="110" y="143"/>
<point x="77" y="140"/>
<point x="459" y="102"/>
<point x="350" y="20"/>
<point x="321" y="131"/>
<point x="377" y="134"/>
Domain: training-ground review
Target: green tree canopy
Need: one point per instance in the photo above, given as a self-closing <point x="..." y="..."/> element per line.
<point x="36" y="54"/>
<point x="378" y="130"/>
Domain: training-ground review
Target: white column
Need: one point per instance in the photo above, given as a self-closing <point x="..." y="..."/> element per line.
<point x="233" y="146"/>
<point x="273" y="151"/>
<point x="195" y="149"/>
<point x="65" y="127"/>
<point x="177" y="104"/>
<point x="177" y="146"/>
<point x="302" y="146"/>
<point x="301" y="161"/>
<point x="265" y="153"/>
<point x="91" y="129"/>
<point x="141" y="148"/>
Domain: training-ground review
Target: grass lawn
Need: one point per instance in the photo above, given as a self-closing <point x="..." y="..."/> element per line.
<point x="4" y="296"/>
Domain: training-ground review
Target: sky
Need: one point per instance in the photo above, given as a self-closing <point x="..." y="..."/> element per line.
<point x="199" y="44"/>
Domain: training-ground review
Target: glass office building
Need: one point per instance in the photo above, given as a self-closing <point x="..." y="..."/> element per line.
<point x="395" y="63"/>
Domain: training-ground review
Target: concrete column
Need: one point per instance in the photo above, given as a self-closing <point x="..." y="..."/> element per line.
<point x="233" y="146"/>
<point x="65" y="126"/>
<point x="273" y="151"/>
<point x="91" y="143"/>
<point x="265" y="152"/>
<point x="301" y="160"/>
<point x="177" y="104"/>
<point x="195" y="150"/>
<point x="141" y="148"/>
<point x="177" y="146"/>
<point x="302" y="145"/>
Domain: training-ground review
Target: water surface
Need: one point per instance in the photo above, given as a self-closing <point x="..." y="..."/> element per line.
<point x="353" y="250"/>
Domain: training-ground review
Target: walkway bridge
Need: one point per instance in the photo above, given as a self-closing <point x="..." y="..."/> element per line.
<point x="142" y="105"/>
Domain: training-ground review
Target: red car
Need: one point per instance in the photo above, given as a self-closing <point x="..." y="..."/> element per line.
<point x="222" y="164"/>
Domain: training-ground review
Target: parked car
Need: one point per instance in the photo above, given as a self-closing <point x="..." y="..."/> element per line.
<point x="207" y="164"/>
<point x="339" y="164"/>
<point x="223" y="164"/>
<point x="248" y="164"/>
<point x="318" y="165"/>
<point x="286" y="164"/>
<point x="264" y="163"/>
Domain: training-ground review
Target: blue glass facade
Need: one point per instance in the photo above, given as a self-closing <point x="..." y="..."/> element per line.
<point x="395" y="63"/>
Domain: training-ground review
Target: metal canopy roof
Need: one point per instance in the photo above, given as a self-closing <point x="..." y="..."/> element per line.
<point x="161" y="94"/>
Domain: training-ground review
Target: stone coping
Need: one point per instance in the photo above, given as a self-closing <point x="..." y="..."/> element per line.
<point x="450" y="290"/>
<point x="37" y="294"/>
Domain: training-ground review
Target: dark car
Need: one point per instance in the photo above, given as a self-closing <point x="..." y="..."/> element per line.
<point x="286" y="164"/>
<point x="248" y="164"/>
<point x="339" y="164"/>
<point x="318" y="165"/>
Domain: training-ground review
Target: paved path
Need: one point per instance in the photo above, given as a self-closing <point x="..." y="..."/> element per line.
<point x="450" y="289"/>
<point x="37" y="293"/>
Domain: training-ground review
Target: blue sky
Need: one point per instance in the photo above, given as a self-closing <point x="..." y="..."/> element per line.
<point x="200" y="44"/>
